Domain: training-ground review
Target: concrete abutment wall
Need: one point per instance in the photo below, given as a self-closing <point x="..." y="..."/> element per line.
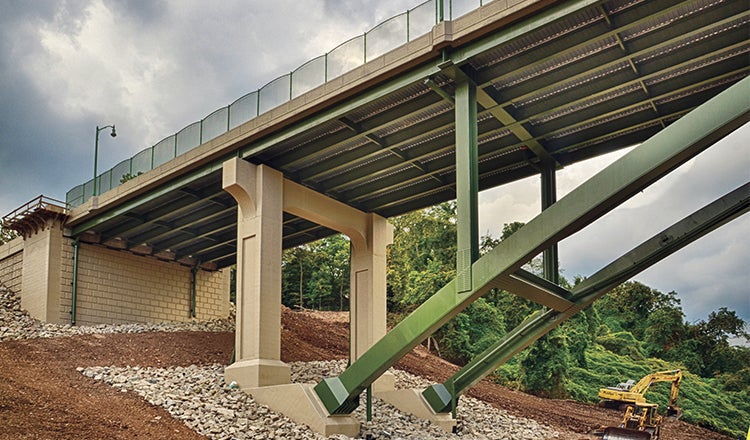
<point x="113" y="287"/>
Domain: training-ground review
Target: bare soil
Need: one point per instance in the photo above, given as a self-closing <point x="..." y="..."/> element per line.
<point x="42" y="396"/>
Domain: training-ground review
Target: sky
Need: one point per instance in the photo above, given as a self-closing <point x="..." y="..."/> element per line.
<point x="153" y="67"/>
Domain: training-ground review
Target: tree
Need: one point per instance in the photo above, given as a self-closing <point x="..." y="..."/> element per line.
<point x="7" y="235"/>
<point x="422" y="258"/>
<point x="471" y="332"/>
<point x="316" y="275"/>
<point x="546" y="364"/>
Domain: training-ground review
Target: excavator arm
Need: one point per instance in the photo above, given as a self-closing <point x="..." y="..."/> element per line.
<point x="617" y="396"/>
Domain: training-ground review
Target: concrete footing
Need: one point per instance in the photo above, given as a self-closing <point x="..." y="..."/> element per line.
<point x="411" y="401"/>
<point x="254" y="373"/>
<point x="300" y="403"/>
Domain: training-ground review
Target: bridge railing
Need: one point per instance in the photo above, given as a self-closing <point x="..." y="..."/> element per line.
<point x="384" y="37"/>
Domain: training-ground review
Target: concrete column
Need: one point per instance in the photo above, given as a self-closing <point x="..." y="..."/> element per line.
<point x="259" y="194"/>
<point x="368" y="286"/>
<point x="42" y="265"/>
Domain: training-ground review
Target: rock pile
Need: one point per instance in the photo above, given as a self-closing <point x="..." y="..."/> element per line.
<point x="16" y="323"/>
<point x="199" y="397"/>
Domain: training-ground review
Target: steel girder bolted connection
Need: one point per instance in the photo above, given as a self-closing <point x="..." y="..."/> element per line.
<point x="653" y="159"/>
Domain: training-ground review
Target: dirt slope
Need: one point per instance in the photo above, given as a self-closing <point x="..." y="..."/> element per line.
<point x="42" y="396"/>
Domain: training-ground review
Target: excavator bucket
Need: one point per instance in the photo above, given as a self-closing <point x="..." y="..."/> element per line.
<point x="674" y="412"/>
<point x="613" y="433"/>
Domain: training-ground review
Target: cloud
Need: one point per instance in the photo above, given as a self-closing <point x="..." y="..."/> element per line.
<point x="153" y="67"/>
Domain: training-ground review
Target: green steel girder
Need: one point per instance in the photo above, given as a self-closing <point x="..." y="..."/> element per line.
<point x="366" y="198"/>
<point x="441" y="397"/>
<point x="539" y="290"/>
<point x="363" y="194"/>
<point x="598" y="37"/>
<point x="635" y="171"/>
<point x="167" y="229"/>
<point x="128" y="206"/>
<point x="519" y="124"/>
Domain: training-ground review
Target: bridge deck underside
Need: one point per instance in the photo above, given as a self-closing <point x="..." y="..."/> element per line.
<point x="557" y="88"/>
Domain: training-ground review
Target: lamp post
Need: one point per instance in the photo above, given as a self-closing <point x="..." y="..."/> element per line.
<point x="96" y="150"/>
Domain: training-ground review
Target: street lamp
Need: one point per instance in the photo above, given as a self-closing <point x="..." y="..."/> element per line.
<point x="96" y="149"/>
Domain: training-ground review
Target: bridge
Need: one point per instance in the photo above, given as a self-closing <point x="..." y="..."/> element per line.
<point x="427" y="107"/>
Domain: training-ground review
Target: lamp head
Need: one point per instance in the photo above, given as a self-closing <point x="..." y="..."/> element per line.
<point x="114" y="133"/>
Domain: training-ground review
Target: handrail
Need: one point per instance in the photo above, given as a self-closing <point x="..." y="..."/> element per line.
<point x="407" y="26"/>
<point x="36" y="204"/>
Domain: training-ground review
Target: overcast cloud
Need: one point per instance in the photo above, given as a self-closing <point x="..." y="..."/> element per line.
<point x="153" y="67"/>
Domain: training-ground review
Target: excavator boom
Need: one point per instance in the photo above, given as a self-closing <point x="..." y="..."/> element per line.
<point x="626" y="394"/>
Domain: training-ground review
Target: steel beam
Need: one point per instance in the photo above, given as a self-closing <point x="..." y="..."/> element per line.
<point x="550" y="261"/>
<point x="609" y="188"/>
<point x="441" y="396"/>
<point x="467" y="183"/>
<point x="533" y="288"/>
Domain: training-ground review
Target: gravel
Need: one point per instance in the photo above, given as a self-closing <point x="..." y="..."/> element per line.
<point x="198" y="396"/>
<point x="16" y="323"/>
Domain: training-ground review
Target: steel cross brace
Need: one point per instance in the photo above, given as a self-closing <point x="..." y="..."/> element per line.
<point x="635" y="171"/>
<point x="441" y="397"/>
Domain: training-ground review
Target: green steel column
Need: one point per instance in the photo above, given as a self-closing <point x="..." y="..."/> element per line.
<point x="74" y="289"/>
<point x="441" y="396"/>
<point x="627" y="176"/>
<point x="467" y="183"/>
<point x="550" y="261"/>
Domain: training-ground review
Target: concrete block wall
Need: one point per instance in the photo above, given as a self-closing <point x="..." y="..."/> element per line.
<point x="119" y="287"/>
<point x="11" y="264"/>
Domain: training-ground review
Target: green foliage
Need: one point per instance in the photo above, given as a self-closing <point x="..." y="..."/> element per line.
<point x="127" y="176"/>
<point x="545" y="367"/>
<point x="471" y="332"/>
<point x="6" y="235"/>
<point x="316" y="275"/>
<point x="422" y="258"/>
<point x="622" y="343"/>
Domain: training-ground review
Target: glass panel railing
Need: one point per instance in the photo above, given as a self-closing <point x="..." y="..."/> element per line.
<point x="188" y="138"/>
<point x="164" y="151"/>
<point x="74" y="197"/>
<point x="88" y="189"/>
<point x="121" y="173"/>
<point x="386" y="36"/>
<point x="422" y="19"/>
<point x="462" y="7"/>
<point x="142" y="161"/>
<point x="308" y="76"/>
<point x="345" y="57"/>
<point x="104" y="182"/>
<point x="215" y="124"/>
<point x="274" y="93"/>
<point x="243" y="110"/>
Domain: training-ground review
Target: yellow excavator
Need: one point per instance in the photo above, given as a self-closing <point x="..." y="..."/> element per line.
<point x="629" y="393"/>
<point x="641" y="420"/>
